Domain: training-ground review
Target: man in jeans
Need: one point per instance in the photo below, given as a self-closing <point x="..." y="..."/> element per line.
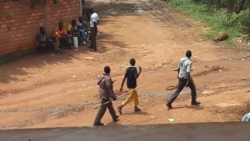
<point x="184" y="69"/>
<point x="82" y="26"/>
<point x="106" y="93"/>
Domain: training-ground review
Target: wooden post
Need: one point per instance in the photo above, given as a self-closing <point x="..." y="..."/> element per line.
<point x="80" y="7"/>
<point x="46" y="14"/>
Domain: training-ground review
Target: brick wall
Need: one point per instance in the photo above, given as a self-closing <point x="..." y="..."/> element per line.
<point x="19" y="32"/>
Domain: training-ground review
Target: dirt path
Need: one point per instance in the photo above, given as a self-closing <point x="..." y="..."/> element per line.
<point x="59" y="90"/>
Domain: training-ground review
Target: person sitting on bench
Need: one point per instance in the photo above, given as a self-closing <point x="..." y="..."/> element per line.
<point x="81" y="24"/>
<point x="43" y="43"/>
<point x="61" y="35"/>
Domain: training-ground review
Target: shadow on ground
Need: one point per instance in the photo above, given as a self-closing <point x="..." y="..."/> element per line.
<point x="10" y="71"/>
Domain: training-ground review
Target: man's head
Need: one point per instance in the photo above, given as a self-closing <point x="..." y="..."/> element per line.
<point x="188" y="54"/>
<point x="73" y="22"/>
<point x="132" y="62"/>
<point x="80" y="19"/>
<point x="107" y="69"/>
<point x="91" y="11"/>
<point x="42" y="30"/>
<point x="60" y="25"/>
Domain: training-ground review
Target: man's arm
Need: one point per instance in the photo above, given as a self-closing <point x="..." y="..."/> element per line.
<point x="39" y="39"/>
<point x="65" y="31"/>
<point x="189" y="68"/>
<point x="95" y="25"/>
<point x="179" y="65"/>
<point x="110" y="89"/>
<point x="138" y="74"/>
<point x="58" y="35"/>
<point x="75" y="29"/>
<point x="123" y="81"/>
<point x="70" y="29"/>
<point x="84" y="23"/>
<point x="178" y="72"/>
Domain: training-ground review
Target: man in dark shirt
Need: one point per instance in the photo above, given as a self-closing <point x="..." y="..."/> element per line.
<point x="106" y="93"/>
<point x="43" y="43"/>
<point x="131" y="75"/>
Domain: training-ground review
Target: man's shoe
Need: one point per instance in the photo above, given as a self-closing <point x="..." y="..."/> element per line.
<point x="116" y="119"/>
<point x="120" y="109"/>
<point x="195" y="103"/>
<point x="98" y="124"/>
<point x="137" y="110"/>
<point x="169" y="105"/>
<point x="84" y="42"/>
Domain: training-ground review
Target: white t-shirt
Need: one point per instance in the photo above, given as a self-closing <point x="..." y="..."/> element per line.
<point x="94" y="18"/>
<point x="96" y="15"/>
<point x="185" y="66"/>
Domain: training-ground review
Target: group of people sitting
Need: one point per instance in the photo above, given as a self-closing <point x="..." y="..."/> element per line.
<point x="64" y="37"/>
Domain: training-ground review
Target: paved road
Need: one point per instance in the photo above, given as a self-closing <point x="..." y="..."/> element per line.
<point x="174" y="132"/>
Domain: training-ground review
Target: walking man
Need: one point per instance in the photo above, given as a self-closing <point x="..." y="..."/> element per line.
<point x="184" y="69"/>
<point x="93" y="29"/>
<point x="106" y="93"/>
<point x="131" y="75"/>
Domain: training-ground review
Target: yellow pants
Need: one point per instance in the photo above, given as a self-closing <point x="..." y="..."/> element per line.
<point x="132" y="96"/>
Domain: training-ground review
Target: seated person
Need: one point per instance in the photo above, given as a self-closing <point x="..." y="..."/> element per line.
<point x="61" y="35"/>
<point x="81" y="24"/>
<point x="73" y="30"/>
<point x="43" y="43"/>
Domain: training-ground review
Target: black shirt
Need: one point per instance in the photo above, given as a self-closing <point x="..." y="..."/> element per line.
<point x="131" y="75"/>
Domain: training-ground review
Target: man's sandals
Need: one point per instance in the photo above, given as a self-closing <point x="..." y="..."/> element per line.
<point x="60" y="52"/>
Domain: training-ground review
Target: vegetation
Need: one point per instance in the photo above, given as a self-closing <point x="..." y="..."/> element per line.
<point x="32" y="5"/>
<point x="230" y="16"/>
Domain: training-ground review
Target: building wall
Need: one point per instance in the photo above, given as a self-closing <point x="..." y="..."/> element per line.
<point x="19" y="32"/>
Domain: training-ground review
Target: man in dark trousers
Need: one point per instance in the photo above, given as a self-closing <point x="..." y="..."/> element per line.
<point x="43" y="42"/>
<point x="106" y="93"/>
<point x="184" y="69"/>
<point x="93" y="29"/>
<point x="131" y="75"/>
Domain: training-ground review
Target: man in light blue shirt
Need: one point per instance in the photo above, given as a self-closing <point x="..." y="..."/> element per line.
<point x="184" y="69"/>
<point x="246" y="118"/>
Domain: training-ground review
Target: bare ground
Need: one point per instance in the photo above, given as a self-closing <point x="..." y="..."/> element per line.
<point x="60" y="90"/>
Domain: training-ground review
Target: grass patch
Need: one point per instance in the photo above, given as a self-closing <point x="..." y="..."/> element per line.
<point x="15" y="56"/>
<point x="217" y="20"/>
<point x="6" y="61"/>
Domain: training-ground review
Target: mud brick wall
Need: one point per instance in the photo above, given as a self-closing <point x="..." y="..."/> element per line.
<point x="19" y="32"/>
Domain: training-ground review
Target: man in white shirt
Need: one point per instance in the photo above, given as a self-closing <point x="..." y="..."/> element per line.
<point x="184" y="69"/>
<point x="94" y="19"/>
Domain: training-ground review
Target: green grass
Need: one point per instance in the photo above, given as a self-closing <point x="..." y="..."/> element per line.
<point x="6" y="61"/>
<point x="216" y="19"/>
<point x="9" y="59"/>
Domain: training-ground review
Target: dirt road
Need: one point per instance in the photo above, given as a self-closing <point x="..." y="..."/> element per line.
<point x="53" y="90"/>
